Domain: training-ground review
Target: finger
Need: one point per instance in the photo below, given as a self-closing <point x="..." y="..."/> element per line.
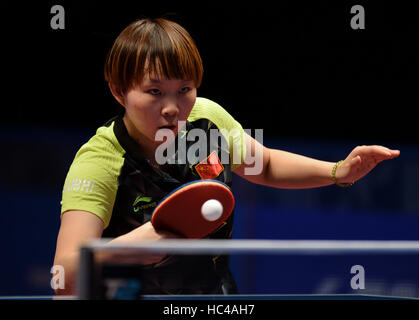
<point x="390" y="154"/>
<point x="356" y="161"/>
<point x="372" y="155"/>
<point x="380" y="153"/>
<point x="394" y="153"/>
<point x="388" y="150"/>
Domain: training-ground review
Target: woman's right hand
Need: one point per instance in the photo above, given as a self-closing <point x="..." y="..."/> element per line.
<point x="80" y="227"/>
<point x="148" y="232"/>
<point x="145" y="232"/>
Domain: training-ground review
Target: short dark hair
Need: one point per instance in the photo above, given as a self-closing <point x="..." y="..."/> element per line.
<point x="158" y="46"/>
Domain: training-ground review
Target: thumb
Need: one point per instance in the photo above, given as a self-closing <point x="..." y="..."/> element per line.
<point x="356" y="161"/>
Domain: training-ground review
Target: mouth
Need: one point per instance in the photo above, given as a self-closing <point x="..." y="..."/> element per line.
<point x="170" y="127"/>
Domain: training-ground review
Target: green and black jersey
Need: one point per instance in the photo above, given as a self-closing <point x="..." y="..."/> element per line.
<point x="110" y="178"/>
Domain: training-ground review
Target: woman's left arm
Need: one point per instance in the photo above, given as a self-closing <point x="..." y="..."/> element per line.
<point x="281" y="169"/>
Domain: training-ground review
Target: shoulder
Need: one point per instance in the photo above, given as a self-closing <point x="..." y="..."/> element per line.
<point x="102" y="153"/>
<point x="205" y="107"/>
<point x="96" y="166"/>
<point x="208" y="109"/>
<point x="230" y="128"/>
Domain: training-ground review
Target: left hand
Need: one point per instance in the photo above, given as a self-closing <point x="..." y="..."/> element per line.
<point x="361" y="161"/>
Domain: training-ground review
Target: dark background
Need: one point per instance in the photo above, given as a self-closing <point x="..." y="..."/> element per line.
<point x="296" y="69"/>
<point x="293" y="69"/>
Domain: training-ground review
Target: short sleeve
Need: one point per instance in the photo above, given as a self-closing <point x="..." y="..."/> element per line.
<point x="91" y="188"/>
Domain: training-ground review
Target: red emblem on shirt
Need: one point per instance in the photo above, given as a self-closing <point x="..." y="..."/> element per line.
<point x="210" y="167"/>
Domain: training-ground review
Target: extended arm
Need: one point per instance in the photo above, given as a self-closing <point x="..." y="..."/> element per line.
<point x="287" y="170"/>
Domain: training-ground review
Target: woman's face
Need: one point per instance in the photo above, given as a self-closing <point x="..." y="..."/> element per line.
<point x="156" y="104"/>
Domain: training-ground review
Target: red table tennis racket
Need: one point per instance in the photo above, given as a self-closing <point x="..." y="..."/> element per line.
<point x="182" y="212"/>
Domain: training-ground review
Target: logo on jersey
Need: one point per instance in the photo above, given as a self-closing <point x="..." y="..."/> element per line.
<point x="210" y="168"/>
<point x="78" y="184"/>
<point x="142" y="203"/>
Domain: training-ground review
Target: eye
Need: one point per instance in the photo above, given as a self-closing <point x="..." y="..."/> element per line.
<point x="154" y="92"/>
<point x="184" y="90"/>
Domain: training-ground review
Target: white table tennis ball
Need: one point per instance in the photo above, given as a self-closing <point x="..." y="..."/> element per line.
<point x="212" y="210"/>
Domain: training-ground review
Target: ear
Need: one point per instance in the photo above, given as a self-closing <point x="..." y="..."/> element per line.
<point x="116" y="94"/>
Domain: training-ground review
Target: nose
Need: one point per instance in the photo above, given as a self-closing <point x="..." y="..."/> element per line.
<point x="170" y="109"/>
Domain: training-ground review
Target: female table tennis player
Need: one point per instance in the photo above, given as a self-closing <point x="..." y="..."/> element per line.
<point x="153" y="71"/>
